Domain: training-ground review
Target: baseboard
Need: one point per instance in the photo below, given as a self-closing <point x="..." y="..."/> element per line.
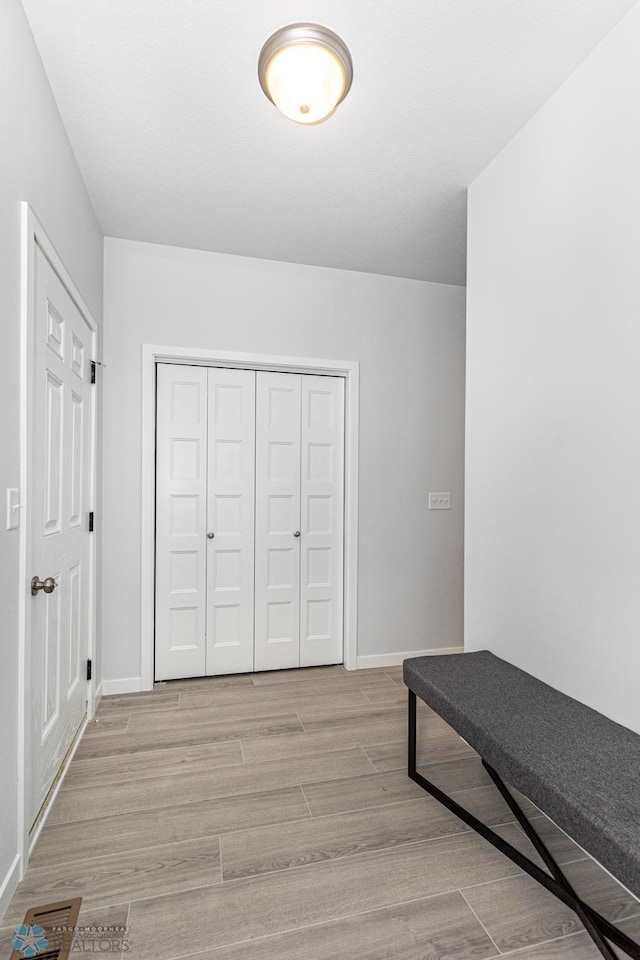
<point x="395" y="659"/>
<point x="8" y="886"/>
<point x="126" y="685"/>
<point x="134" y="684"/>
<point x="99" y="693"/>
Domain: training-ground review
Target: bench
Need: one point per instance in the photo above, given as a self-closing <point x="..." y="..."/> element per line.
<point x="576" y="765"/>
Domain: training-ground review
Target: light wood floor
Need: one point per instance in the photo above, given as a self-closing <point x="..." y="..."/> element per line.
<point x="269" y="817"/>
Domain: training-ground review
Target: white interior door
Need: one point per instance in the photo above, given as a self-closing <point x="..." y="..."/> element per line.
<point x="181" y="490"/>
<point x="60" y="539"/>
<point x="249" y="530"/>
<point x="230" y="520"/>
<point x="322" y="511"/>
<point x="277" y="537"/>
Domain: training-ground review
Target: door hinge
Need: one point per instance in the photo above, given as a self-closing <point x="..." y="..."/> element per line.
<point x="93" y="371"/>
<point x="91" y="521"/>
<point x="88" y="669"/>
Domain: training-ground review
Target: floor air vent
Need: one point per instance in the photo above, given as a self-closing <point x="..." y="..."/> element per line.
<point x="56" y="940"/>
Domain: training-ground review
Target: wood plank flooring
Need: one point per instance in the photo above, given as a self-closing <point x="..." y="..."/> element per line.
<point x="269" y="817"/>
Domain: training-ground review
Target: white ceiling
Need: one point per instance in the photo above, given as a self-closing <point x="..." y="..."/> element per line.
<point x="178" y="144"/>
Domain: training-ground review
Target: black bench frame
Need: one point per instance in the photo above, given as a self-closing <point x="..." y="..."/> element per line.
<point x="599" y="929"/>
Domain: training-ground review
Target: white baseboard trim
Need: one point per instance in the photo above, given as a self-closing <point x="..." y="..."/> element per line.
<point x="395" y="659"/>
<point x="126" y="685"/>
<point x="8" y="886"/>
<point x="99" y="693"/>
<point x="134" y="684"/>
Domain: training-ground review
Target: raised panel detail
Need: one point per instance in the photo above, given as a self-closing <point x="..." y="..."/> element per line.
<point x="321" y="587"/>
<point x="227" y="625"/>
<point x="53" y="455"/>
<point x="77" y="356"/>
<point x="227" y="515"/>
<point x="280" y="567"/>
<point x="283" y="408"/>
<point x="318" y="619"/>
<point x="280" y="515"/>
<point x="280" y="622"/>
<point x="230" y="517"/>
<point x="184" y="515"/>
<point x="61" y="465"/>
<point x="181" y="517"/>
<point x="183" y="628"/>
<point x="227" y="458"/>
<point x="75" y="612"/>
<point x="184" y="573"/>
<point x="320" y="461"/>
<point x="77" y="457"/>
<point x="184" y="459"/>
<point x="185" y="402"/>
<point x="55" y="330"/>
<point x="51" y="666"/>
<point x="228" y="406"/>
<point x="278" y="551"/>
<point x="320" y="410"/>
<point x="319" y="566"/>
<point x="281" y="463"/>
<point x="227" y="572"/>
<point x="320" y="513"/>
<point x="293" y="426"/>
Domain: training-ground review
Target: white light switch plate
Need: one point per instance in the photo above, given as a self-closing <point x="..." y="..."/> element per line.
<point x="439" y="501"/>
<point x="13" y="508"/>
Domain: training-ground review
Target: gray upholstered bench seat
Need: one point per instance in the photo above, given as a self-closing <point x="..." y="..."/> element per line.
<point x="577" y="766"/>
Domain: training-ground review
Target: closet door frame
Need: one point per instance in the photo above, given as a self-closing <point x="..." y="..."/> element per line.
<point x="153" y="354"/>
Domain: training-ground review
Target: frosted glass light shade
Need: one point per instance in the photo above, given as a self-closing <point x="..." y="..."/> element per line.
<point x="306" y="71"/>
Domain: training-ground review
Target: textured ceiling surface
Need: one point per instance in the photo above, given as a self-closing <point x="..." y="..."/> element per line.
<point x="178" y="145"/>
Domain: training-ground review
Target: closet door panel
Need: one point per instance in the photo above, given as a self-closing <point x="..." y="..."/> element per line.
<point x="322" y="506"/>
<point x="181" y="465"/>
<point x="230" y="518"/>
<point x="277" y="553"/>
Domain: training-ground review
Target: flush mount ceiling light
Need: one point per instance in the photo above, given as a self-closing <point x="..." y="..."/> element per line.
<point x="306" y="70"/>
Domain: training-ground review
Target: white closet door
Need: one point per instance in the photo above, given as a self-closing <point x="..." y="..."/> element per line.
<point x="321" y="576"/>
<point x="181" y="465"/>
<point x="277" y="556"/>
<point x="230" y="518"/>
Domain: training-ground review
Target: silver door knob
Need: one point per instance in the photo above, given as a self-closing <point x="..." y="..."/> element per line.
<point x="296" y="533"/>
<point x="210" y="535"/>
<point x="48" y="585"/>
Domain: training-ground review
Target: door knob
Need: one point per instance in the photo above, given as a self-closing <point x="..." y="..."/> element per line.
<point x="48" y="585"/>
<point x="296" y="533"/>
<point x="210" y="536"/>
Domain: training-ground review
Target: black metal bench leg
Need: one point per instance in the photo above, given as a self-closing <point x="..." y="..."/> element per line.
<point x="597" y="926"/>
<point x="588" y="918"/>
<point x="412" y="734"/>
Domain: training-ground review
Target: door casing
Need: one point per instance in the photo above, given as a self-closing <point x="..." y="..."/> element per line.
<point x="34" y="235"/>
<point x="350" y="370"/>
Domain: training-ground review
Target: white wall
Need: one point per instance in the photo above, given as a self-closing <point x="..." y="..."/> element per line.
<point x="36" y="164"/>
<point x="408" y="336"/>
<point x="553" y="389"/>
